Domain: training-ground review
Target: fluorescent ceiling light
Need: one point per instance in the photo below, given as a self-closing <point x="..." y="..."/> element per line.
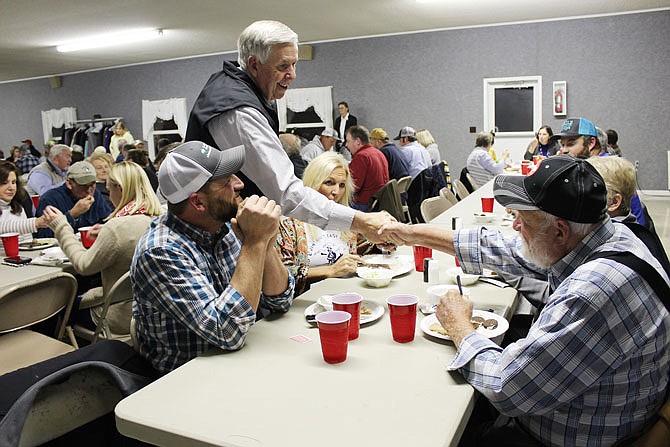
<point x="108" y="40"/>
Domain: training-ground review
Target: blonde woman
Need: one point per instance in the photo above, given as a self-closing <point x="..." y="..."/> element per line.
<point x="120" y="133"/>
<point x="426" y="139"/>
<point x="136" y="205"/>
<point x="313" y="254"/>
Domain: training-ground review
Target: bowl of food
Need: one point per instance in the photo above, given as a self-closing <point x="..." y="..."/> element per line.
<point x="377" y="277"/>
<point x="482" y="218"/>
<point x="466" y="278"/>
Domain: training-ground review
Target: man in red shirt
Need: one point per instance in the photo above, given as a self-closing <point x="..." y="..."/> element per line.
<point x="369" y="168"/>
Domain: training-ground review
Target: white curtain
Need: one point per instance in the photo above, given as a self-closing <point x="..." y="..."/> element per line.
<point x="300" y="99"/>
<point x="65" y="116"/>
<point x="165" y="109"/>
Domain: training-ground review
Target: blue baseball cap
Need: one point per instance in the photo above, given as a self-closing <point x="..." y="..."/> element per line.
<point x="574" y="127"/>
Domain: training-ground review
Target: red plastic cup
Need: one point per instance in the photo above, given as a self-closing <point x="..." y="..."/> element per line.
<point x="487" y="204"/>
<point x="36" y="200"/>
<point x="10" y="242"/>
<point x="350" y="303"/>
<point x="421" y="253"/>
<point x="85" y="240"/>
<point x="537" y="159"/>
<point x="402" y="309"/>
<point x="525" y="167"/>
<point x="334" y="334"/>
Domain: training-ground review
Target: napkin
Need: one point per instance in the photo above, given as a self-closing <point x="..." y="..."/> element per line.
<point x="52" y="257"/>
<point x="49" y="262"/>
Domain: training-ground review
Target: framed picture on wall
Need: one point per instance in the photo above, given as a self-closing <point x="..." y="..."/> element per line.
<point x="560" y="98"/>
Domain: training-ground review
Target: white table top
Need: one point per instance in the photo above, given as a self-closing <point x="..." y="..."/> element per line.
<point x="465" y="209"/>
<point x="279" y="392"/>
<point x="10" y="275"/>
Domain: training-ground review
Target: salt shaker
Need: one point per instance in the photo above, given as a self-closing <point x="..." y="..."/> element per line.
<point x="433" y="271"/>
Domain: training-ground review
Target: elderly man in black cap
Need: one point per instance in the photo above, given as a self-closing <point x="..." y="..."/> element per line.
<point x="205" y="271"/>
<point x="594" y="367"/>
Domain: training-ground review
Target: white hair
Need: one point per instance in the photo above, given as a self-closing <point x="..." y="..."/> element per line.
<point x="258" y="38"/>
<point x="577" y="228"/>
<point x="57" y="149"/>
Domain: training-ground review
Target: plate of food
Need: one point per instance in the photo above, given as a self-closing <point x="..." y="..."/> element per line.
<point x="37" y="244"/>
<point x="397" y="264"/>
<point x="486" y="323"/>
<point x="370" y="311"/>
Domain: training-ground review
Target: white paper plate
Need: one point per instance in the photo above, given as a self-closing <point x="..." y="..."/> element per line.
<point x="399" y="264"/>
<point x="377" y="312"/>
<point x="37" y="244"/>
<point x="503" y="325"/>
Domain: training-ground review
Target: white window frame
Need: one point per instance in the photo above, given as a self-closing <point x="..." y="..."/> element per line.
<point x="490" y="86"/>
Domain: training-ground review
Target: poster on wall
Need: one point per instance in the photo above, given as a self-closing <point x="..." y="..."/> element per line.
<point x="560" y="96"/>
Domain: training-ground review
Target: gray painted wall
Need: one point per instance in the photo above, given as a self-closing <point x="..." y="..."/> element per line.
<point x="616" y="67"/>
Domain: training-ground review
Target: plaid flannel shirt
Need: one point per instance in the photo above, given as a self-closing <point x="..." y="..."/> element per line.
<point x="183" y="303"/>
<point x="595" y="365"/>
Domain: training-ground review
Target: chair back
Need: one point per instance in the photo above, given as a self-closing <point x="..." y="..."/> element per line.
<point x="433" y="207"/>
<point x="32" y="302"/>
<point x="459" y="189"/>
<point x="388" y="199"/>
<point x="448" y="195"/>
<point x="121" y="291"/>
<point x="472" y="181"/>
<point x="403" y="183"/>
<point x="467" y="179"/>
<point x="426" y="184"/>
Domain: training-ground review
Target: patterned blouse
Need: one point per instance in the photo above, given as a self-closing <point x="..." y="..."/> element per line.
<point x="293" y="247"/>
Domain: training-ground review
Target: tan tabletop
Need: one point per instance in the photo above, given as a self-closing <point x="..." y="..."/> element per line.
<point x="10" y="275"/>
<point x="279" y="392"/>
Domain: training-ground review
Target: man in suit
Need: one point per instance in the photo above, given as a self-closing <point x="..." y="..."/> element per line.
<point x="345" y="120"/>
<point x="342" y="123"/>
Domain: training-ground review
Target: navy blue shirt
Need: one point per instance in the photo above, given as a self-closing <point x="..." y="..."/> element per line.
<point x="398" y="163"/>
<point x="61" y="197"/>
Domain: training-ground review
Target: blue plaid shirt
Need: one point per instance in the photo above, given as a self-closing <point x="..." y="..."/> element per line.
<point x="183" y="302"/>
<point x="26" y="163"/>
<point x="595" y="365"/>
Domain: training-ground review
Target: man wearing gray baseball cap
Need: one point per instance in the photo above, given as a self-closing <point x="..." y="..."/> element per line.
<point x="78" y="199"/>
<point x="205" y="271"/>
<point x="594" y="366"/>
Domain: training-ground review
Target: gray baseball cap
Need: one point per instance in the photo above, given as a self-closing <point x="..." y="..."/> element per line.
<point x="186" y="169"/>
<point x="82" y="172"/>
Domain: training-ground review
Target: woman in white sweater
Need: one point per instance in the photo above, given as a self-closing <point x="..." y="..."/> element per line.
<point x="136" y="205"/>
<point x="13" y="217"/>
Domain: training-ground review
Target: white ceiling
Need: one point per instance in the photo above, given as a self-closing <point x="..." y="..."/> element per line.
<point x="30" y="29"/>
